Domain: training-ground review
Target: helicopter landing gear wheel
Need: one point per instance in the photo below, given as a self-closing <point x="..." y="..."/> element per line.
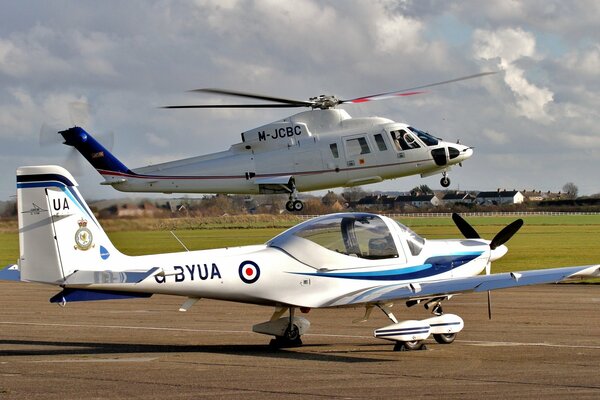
<point x="410" y="346"/>
<point x="294" y="205"/>
<point x="289" y="205"/>
<point x="298" y="205"/>
<point x="444" y="338"/>
<point x="445" y="181"/>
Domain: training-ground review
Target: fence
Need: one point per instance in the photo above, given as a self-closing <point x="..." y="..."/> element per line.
<point x="474" y="214"/>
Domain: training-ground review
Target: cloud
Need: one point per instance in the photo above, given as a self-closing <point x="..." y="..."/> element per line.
<point x="508" y="46"/>
<point x="128" y="58"/>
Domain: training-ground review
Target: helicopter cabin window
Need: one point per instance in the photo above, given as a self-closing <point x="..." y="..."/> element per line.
<point x="357" y="146"/>
<point x="362" y="236"/>
<point x="380" y="142"/>
<point x="334" y="150"/>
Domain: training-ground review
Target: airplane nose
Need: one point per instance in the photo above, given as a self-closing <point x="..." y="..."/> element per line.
<point x="498" y="252"/>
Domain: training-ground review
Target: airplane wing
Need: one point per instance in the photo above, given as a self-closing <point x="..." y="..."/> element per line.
<point x="479" y="283"/>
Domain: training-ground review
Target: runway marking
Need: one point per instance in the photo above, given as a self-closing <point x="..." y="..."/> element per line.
<point x="483" y="343"/>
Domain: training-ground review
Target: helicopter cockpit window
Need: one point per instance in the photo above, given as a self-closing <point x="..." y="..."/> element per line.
<point x="334" y="150"/>
<point x="403" y="140"/>
<point x="410" y="140"/>
<point x="415" y="242"/>
<point x="425" y="137"/>
<point x="358" y="236"/>
<point x="357" y="146"/>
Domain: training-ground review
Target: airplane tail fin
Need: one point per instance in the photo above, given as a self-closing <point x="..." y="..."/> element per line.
<point x="58" y="233"/>
<point x="101" y="159"/>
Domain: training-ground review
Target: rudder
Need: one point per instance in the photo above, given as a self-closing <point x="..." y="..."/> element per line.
<point x="58" y="233"/>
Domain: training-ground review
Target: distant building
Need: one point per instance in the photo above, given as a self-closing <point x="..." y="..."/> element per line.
<point x="423" y="200"/>
<point x="500" y="197"/>
<point x="458" y="197"/>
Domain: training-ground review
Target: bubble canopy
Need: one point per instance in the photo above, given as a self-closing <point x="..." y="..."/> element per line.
<point x="346" y="240"/>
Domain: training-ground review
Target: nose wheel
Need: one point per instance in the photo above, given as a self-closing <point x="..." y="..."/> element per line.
<point x="445" y="181"/>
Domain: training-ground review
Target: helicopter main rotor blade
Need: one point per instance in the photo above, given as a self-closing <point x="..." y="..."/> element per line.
<point x="235" y="106"/>
<point x="291" y="102"/>
<point x="413" y="90"/>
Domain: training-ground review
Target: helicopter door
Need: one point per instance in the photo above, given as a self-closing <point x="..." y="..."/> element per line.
<point x="359" y="153"/>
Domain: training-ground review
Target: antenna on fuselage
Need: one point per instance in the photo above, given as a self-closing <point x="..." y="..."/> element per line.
<point x="180" y="242"/>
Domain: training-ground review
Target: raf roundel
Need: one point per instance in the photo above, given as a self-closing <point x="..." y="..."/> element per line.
<point x="249" y="272"/>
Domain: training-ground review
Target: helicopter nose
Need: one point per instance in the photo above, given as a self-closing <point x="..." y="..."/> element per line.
<point x="458" y="153"/>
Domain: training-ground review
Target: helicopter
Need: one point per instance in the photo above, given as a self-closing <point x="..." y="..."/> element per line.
<point x="317" y="149"/>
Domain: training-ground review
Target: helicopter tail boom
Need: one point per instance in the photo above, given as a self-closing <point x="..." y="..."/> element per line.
<point x="96" y="154"/>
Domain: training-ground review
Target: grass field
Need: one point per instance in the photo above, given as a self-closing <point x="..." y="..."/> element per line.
<point x="544" y="241"/>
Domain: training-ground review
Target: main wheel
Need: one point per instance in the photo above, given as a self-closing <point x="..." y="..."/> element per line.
<point x="290" y="338"/>
<point x="409" y="346"/>
<point x="292" y="333"/>
<point x="298" y="205"/>
<point x="444" y="338"/>
<point x="445" y="181"/>
<point x="289" y="206"/>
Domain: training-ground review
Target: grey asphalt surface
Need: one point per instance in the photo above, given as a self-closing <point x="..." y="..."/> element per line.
<point x="543" y="342"/>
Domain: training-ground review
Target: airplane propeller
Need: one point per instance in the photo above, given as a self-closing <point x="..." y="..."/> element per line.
<point x="322" y="102"/>
<point x="501" y="237"/>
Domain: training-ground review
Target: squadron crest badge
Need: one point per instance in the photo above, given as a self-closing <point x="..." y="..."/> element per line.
<point x="83" y="236"/>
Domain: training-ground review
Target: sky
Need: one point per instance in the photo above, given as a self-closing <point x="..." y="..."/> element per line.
<point x="534" y="125"/>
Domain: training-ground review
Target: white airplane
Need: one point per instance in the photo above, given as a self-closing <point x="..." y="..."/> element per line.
<point x="312" y="150"/>
<point x="336" y="260"/>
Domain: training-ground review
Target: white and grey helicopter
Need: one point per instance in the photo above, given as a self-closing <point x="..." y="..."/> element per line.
<point x="336" y="260"/>
<point x="317" y="149"/>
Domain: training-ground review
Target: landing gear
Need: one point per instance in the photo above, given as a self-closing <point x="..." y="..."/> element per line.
<point x="410" y="346"/>
<point x="444" y="338"/>
<point x="293" y="204"/>
<point x="445" y="181"/>
<point x="290" y="338"/>
<point x="411" y="335"/>
<point x="287" y="331"/>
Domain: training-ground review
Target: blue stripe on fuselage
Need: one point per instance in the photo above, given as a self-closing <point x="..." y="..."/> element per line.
<point x="432" y="266"/>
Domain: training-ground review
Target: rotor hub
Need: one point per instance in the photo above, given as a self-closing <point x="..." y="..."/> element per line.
<point x="324" y="102"/>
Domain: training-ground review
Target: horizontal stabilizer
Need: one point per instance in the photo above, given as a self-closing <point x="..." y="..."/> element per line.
<point x="107" y="277"/>
<point x="69" y="295"/>
<point x="10" y="273"/>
